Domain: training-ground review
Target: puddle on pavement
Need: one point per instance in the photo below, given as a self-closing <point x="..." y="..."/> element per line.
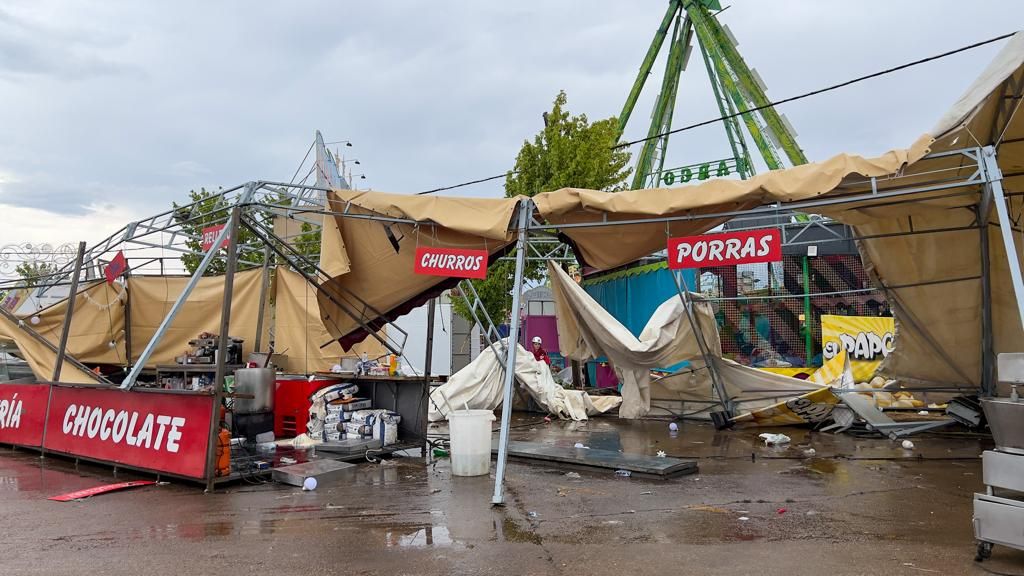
<point x="508" y="531"/>
<point x="823" y="466"/>
<point x="398" y="535"/>
<point x="418" y="538"/>
<point x="26" y="472"/>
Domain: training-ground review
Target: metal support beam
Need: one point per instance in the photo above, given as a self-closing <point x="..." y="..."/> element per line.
<point x="428" y="366"/>
<point x="987" y="372"/>
<point x="222" y="347"/>
<point x="225" y="233"/>
<point x="510" y="360"/>
<point x="705" y="351"/>
<point x="808" y="312"/>
<point x="1005" y="227"/>
<point x="264" y="286"/>
<point x="62" y="348"/>
<point x="127" y="319"/>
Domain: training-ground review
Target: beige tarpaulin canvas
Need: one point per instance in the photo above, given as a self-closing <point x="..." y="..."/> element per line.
<point x="299" y="332"/>
<point x="97" y="321"/>
<point x="151" y="297"/>
<point x="939" y="325"/>
<point x="380" y="256"/>
<point x="586" y="331"/>
<point x="40" y="358"/>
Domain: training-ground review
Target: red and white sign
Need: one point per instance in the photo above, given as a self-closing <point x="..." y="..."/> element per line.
<point x="23" y="413"/>
<point x="452" y="262"/>
<point x="725" y="249"/>
<point x="116" y="267"/>
<point x="164" y="432"/>
<point x="210" y="237"/>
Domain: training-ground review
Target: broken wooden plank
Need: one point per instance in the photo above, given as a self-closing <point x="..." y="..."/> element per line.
<point x="80" y="494"/>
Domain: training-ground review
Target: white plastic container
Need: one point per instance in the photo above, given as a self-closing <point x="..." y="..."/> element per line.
<point x="470" y="432"/>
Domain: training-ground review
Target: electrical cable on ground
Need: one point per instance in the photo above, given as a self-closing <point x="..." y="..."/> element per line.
<point x="755" y="109"/>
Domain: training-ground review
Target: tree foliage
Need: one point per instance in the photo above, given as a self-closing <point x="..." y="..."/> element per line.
<point x="569" y="152"/>
<point x="34" y="272"/>
<point x="208" y="208"/>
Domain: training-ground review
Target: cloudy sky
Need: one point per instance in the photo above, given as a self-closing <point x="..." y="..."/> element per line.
<point x="112" y="110"/>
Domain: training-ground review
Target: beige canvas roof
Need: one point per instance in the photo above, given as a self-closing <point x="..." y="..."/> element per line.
<point x="379" y="256"/>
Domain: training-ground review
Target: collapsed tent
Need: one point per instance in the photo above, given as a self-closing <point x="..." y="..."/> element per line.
<point x="101" y="325"/>
<point x="928" y="194"/>
<point x="586" y="332"/>
<point x="375" y="259"/>
<point x="479" y="386"/>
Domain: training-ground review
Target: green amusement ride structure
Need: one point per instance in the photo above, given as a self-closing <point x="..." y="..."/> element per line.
<point x="738" y="90"/>
<point x="740" y="95"/>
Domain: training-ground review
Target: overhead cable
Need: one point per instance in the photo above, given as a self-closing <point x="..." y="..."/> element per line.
<point x="755" y="109"/>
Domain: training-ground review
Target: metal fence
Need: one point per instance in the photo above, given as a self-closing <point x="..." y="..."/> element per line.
<point x="765" y="311"/>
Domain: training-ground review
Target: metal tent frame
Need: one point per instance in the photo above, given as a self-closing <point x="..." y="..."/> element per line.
<point x="977" y="168"/>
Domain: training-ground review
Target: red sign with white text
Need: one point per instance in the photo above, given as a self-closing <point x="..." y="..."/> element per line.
<point x="452" y="262"/>
<point x="726" y="249"/>
<point x="23" y="413"/>
<point x="210" y="237"/>
<point x="164" y="432"/>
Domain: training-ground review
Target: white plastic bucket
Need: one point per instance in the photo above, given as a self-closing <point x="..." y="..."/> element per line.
<point x="470" y="432"/>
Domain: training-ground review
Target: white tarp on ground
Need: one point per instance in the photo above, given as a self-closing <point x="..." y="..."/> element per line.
<point x="479" y="386"/>
<point x="587" y="331"/>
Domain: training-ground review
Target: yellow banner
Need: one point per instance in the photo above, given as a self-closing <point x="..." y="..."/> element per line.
<point x="810" y="408"/>
<point x="867" y="340"/>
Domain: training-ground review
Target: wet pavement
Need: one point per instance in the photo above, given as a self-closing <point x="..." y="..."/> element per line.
<point x="856" y="506"/>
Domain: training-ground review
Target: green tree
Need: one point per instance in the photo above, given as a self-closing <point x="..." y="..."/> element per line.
<point x="569" y="152"/>
<point x="34" y="272"/>
<point x="208" y="208"/>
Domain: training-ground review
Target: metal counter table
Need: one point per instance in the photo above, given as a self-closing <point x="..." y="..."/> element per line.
<point x="406" y="395"/>
<point x="999" y="511"/>
<point x="185" y="369"/>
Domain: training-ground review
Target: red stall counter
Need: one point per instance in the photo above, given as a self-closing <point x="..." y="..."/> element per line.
<point x="291" y="402"/>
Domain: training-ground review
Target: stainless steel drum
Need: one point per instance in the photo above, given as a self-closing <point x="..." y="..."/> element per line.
<point x="259" y="382"/>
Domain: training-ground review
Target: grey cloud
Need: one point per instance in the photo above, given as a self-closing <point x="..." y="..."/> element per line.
<point x="33" y="49"/>
<point x="431" y="93"/>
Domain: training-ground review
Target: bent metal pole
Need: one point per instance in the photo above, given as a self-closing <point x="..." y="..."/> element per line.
<point x="222" y="348"/>
<point x="129" y="381"/>
<point x="62" y="348"/>
<point x="510" y="362"/>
